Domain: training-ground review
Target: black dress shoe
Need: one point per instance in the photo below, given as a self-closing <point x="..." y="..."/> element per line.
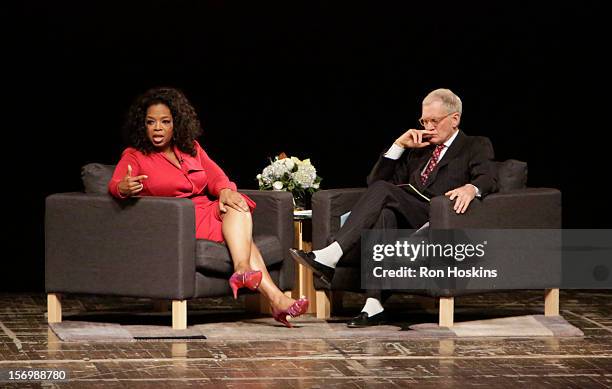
<point x="364" y="320"/>
<point x="325" y="273"/>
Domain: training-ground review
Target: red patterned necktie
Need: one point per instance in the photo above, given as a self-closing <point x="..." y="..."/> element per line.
<point x="433" y="162"/>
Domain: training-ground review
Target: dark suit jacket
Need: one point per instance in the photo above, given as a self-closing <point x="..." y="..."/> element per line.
<point x="468" y="160"/>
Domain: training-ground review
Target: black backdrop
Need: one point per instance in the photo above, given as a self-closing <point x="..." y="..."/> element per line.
<point x="333" y="82"/>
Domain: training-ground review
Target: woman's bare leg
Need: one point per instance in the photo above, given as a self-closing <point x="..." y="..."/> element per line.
<point x="267" y="287"/>
<point x="238" y="234"/>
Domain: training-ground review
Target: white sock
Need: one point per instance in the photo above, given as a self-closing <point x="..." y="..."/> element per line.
<point x="372" y="307"/>
<point x="329" y="256"/>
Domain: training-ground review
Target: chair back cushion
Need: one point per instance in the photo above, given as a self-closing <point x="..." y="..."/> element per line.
<point x="511" y="175"/>
<point x="96" y="176"/>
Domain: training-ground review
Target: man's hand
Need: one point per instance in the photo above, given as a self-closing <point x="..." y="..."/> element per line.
<point x="131" y="186"/>
<point x="414" y="139"/>
<point x="464" y="195"/>
<point x="233" y="200"/>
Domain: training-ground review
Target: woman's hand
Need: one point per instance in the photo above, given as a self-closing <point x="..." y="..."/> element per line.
<point x="131" y="186"/>
<point x="233" y="200"/>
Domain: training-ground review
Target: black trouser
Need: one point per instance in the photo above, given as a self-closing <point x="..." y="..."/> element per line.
<point x="382" y="206"/>
<point x="411" y="212"/>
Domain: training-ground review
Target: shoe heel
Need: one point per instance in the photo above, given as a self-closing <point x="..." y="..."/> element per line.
<point x="236" y="282"/>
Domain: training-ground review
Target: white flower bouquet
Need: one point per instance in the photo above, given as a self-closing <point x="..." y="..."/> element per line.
<point x="292" y="175"/>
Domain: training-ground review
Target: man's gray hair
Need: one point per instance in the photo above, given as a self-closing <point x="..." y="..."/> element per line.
<point x="450" y="101"/>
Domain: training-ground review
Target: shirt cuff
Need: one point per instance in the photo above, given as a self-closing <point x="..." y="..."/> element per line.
<point x="395" y="152"/>
<point x="478" y="194"/>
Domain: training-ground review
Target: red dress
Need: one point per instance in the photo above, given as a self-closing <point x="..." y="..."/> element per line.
<point x="199" y="179"/>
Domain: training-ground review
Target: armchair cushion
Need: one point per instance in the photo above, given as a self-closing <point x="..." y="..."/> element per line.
<point x="214" y="257"/>
<point x="511" y="175"/>
<point x="95" y="177"/>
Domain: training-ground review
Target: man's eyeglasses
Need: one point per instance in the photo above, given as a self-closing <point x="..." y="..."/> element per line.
<point x="434" y="122"/>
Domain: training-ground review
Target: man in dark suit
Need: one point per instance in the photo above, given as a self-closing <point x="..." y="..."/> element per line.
<point x="441" y="160"/>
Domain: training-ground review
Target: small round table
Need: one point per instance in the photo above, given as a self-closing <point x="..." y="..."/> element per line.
<point x="304" y="286"/>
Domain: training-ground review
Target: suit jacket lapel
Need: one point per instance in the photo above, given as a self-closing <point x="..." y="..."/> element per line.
<point x="453" y="151"/>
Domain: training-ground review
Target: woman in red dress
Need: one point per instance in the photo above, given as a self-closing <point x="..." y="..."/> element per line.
<point x="164" y="159"/>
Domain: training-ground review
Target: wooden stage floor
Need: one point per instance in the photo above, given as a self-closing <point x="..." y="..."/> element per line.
<point x="579" y="362"/>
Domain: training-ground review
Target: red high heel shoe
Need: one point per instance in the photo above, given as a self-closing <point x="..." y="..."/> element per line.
<point x="250" y="279"/>
<point x="299" y="307"/>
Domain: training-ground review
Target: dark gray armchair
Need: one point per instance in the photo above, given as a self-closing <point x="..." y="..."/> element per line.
<point x="514" y="206"/>
<point x="146" y="247"/>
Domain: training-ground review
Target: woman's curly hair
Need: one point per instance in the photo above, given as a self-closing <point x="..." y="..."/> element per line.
<point x="186" y="124"/>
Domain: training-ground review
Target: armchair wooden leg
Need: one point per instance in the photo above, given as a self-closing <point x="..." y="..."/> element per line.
<point x="447" y="307"/>
<point x="179" y="314"/>
<point x="54" y="308"/>
<point x="551" y="302"/>
<point x="324" y="304"/>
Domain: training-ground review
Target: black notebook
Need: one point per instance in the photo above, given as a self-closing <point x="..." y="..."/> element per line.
<point x="415" y="190"/>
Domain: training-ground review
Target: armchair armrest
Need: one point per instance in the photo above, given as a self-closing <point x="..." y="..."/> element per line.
<point x="530" y="208"/>
<point x="142" y="247"/>
<point x="327" y="207"/>
<point x="522" y="208"/>
<point x="274" y="216"/>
